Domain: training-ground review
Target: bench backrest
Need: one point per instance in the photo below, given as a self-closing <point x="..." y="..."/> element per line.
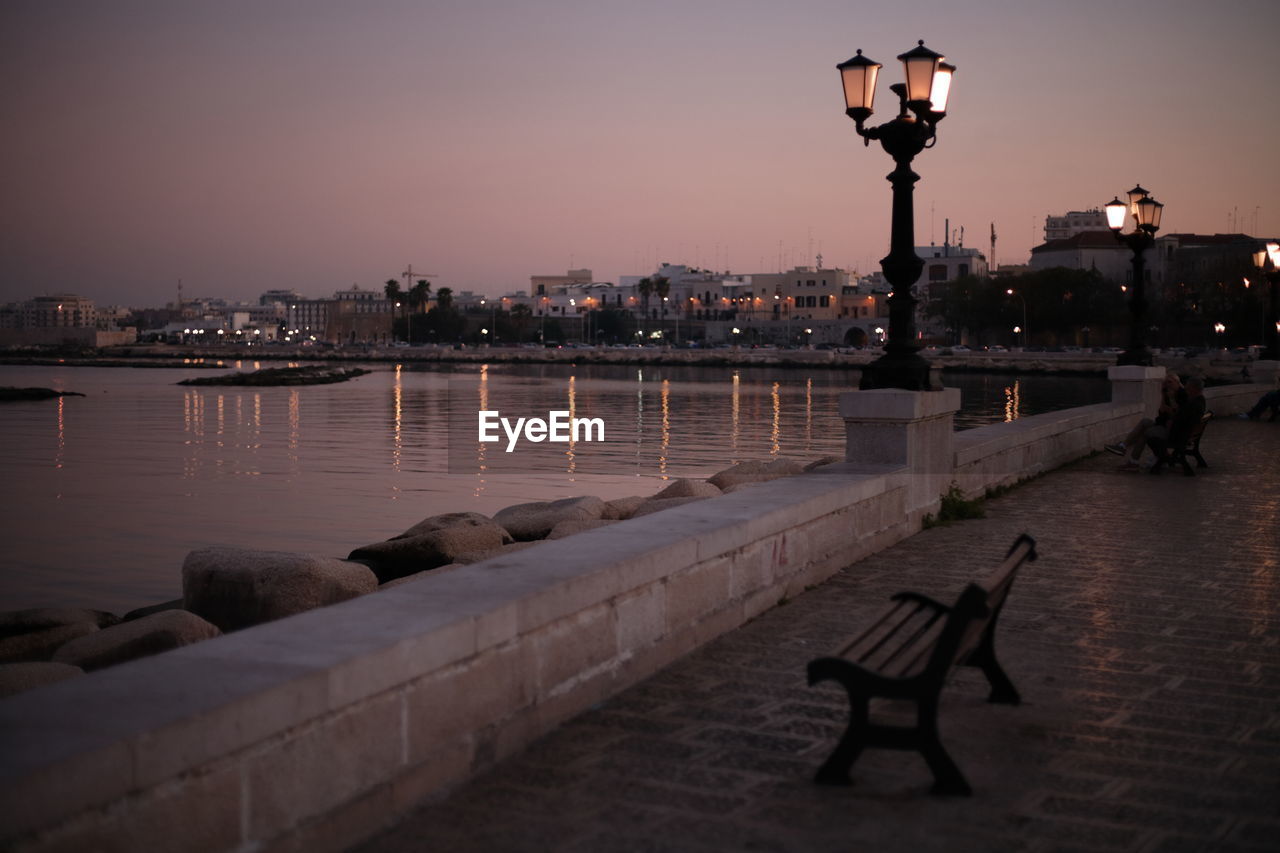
<point x="979" y="605"/>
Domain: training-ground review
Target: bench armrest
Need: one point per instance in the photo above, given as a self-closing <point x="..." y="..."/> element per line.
<point x="922" y="599"/>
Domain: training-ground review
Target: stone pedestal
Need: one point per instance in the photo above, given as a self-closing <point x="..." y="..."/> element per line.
<point x="1136" y="384"/>
<point x="908" y="429"/>
<point x="1266" y="372"/>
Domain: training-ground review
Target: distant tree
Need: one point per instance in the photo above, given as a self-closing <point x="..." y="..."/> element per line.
<point x="444" y="299"/>
<point x="420" y="294"/>
<point x="645" y="287"/>
<point x="612" y="324"/>
<point x="521" y="316"/>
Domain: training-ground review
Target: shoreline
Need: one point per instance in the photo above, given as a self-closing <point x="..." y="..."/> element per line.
<point x="1223" y="369"/>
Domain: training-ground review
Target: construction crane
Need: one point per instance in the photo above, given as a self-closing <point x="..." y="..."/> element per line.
<point x="409" y="275"/>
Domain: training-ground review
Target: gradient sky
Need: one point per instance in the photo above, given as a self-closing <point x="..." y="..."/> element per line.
<point x="246" y="145"/>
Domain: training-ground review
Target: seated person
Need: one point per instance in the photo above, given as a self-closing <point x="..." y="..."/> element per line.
<point x="1181" y="424"/>
<point x="1269" y="400"/>
<point x="1149" y="429"/>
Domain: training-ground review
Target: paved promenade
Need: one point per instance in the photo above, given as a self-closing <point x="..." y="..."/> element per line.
<point x="1145" y="642"/>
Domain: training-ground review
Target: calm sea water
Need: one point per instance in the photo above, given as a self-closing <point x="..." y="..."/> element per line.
<point x="105" y="494"/>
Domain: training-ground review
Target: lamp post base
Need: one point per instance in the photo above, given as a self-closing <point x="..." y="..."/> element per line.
<point x="908" y="371"/>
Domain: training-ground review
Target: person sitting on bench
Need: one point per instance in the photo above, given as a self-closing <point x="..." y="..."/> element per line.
<point x="1269" y="400"/>
<point x="1150" y="429"/>
<point x="1184" y="421"/>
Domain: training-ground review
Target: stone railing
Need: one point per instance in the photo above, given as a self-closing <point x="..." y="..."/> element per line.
<point x="318" y="729"/>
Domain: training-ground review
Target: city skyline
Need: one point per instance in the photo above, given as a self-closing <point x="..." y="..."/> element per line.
<point x="316" y="145"/>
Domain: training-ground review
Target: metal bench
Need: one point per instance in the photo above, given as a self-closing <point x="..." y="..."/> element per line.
<point x="906" y="654"/>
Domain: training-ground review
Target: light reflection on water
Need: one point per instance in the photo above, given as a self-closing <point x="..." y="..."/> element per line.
<point x="107" y="493"/>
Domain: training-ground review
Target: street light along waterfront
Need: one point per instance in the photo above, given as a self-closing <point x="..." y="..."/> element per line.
<point x="1146" y="213"/>
<point x="1023" y="327"/>
<point x="925" y="94"/>
<point x="1267" y="260"/>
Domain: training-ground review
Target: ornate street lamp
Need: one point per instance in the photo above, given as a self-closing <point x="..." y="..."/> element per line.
<point x="922" y="103"/>
<point x="1267" y="260"/>
<point x="1146" y="212"/>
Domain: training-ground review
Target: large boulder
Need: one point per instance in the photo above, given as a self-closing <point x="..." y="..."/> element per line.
<point x="470" y="557"/>
<point x="37" y="619"/>
<point x="175" y="604"/>
<point x="138" y="638"/>
<point x="689" y="489"/>
<point x="659" y="504"/>
<point x="621" y="508"/>
<point x="432" y="542"/>
<point x="756" y="472"/>
<point x="417" y="576"/>
<point x="40" y="645"/>
<point x="235" y="587"/>
<point x="534" y="520"/>
<point x="568" y="528"/>
<point x="825" y="460"/>
<point x="17" y="677"/>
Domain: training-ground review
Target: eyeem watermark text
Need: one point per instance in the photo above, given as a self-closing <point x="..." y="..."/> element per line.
<point x="558" y="427"/>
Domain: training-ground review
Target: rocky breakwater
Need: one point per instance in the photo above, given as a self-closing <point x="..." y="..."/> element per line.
<point x="227" y="589"/>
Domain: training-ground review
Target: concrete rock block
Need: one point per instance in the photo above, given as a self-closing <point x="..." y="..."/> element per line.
<point x="756" y="472"/>
<point x="659" y="504"/>
<point x="535" y="520"/>
<point x="14" y="622"/>
<point x="17" y="677"/>
<point x="689" y="489"/>
<point x="468" y="557"/>
<point x="622" y="508"/>
<point x="138" y="638"/>
<point x="568" y="528"/>
<point x="432" y="542"/>
<point x="236" y="587"/>
<point x="40" y="645"/>
<point x="826" y="460"/>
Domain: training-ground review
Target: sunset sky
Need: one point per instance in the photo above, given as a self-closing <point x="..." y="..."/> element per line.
<point x="242" y="145"/>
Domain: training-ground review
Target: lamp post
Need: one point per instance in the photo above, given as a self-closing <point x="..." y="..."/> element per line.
<point x="1146" y="213"/>
<point x="1267" y="260"/>
<point x="922" y="102"/>
<point x="1013" y="292"/>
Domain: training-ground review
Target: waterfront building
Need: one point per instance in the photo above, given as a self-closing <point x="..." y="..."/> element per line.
<point x="59" y="311"/>
<point x="1074" y="222"/>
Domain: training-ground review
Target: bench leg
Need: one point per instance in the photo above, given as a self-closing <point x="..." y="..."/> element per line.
<point x="947" y="778"/>
<point x="1002" y="689"/>
<point x="835" y="770"/>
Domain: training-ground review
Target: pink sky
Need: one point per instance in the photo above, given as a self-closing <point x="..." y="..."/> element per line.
<point x="242" y="146"/>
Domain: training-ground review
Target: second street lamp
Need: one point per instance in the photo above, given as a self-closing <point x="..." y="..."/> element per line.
<point x="1146" y="212"/>
<point x="922" y="103"/>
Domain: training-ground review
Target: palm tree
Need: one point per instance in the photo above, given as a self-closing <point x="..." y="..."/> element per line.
<point x="444" y="299"/>
<point x="645" y="287"/>
<point x="521" y="314"/>
<point x="661" y="287"/>
<point x="420" y="294"/>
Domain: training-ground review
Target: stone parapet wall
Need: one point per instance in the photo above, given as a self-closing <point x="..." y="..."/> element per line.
<point x="317" y="729"/>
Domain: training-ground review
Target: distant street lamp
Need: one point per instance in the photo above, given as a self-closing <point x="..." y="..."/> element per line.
<point x="1013" y="292"/>
<point x="1146" y="212"/>
<point x="1267" y="260"/>
<point x="1219" y="329"/>
<point x="924" y="94"/>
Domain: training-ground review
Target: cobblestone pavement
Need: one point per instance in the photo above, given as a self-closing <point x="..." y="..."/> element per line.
<point x="1145" y="642"/>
